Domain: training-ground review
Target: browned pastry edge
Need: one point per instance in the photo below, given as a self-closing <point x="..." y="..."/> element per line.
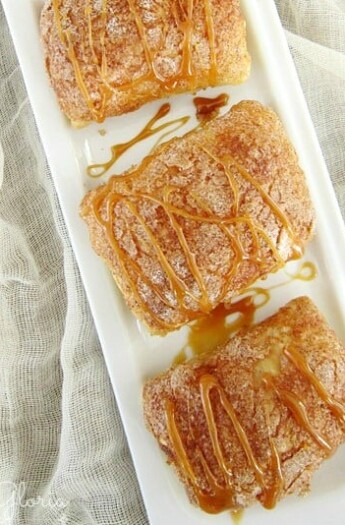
<point x="240" y="368"/>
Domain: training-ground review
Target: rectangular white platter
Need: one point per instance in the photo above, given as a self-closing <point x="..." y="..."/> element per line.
<point x="131" y="354"/>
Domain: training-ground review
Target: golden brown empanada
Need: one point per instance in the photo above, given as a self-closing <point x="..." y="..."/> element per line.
<point x="202" y="217"/>
<point x="254" y="419"/>
<point x="108" y="57"/>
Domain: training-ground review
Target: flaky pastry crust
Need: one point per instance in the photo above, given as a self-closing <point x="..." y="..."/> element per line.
<point x="284" y="379"/>
<point x="108" y="57"/>
<point x="202" y="217"/>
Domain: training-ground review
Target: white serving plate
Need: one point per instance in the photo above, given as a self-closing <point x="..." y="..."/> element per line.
<point x="131" y="354"/>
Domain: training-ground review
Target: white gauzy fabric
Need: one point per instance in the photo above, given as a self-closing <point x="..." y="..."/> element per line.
<point x="61" y="438"/>
<point x="316" y="36"/>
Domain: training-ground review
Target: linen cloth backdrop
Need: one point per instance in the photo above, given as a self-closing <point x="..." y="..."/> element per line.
<point x="61" y="436"/>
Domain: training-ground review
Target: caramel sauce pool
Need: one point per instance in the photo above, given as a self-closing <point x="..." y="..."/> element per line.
<point x="214" y="329"/>
<point x="208" y="108"/>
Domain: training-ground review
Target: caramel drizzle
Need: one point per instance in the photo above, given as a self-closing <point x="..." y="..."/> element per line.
<point x="214" y="329"/>
<point x="337" y="409"/>
<point x="66" y="40"/>
<point x="184" y="21"/>
<point x="125" y="262"/>
<point x="98" y="170"/>
<point x="306" y="272"/>
<point x="207" y="384"/>
<point x="205" y="501"/>
<point x="268" y="493"/>
<point x="271" y="496"/>
<point x="254" y="228"/>
<point x="174" y="214"/>
<point x="281" y="216"/>
<point x="299" y="411"/>
<point x="176" y="282"/>
<point x="211" y="39"/>
<point x="206" y="109"/>
<point x="186" y="71"/>
<point x="102" y="69"/>
<point x="220" y="496"/>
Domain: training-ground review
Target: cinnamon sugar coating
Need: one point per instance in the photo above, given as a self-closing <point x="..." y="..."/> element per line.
<point x="108" y="57"/>
<point x="202" y="217"/>
<point x="261" y="406"/>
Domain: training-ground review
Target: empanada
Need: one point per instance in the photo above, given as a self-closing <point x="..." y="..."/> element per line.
<point x="202" y="217"/>
<point x="108" y="57"/>
<point x="254" y="419"/>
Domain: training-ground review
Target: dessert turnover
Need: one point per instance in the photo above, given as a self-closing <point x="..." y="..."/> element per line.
<point x="254" y="419"/>
<point x="202" y="217"/>
<point x="108" y="57"/>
